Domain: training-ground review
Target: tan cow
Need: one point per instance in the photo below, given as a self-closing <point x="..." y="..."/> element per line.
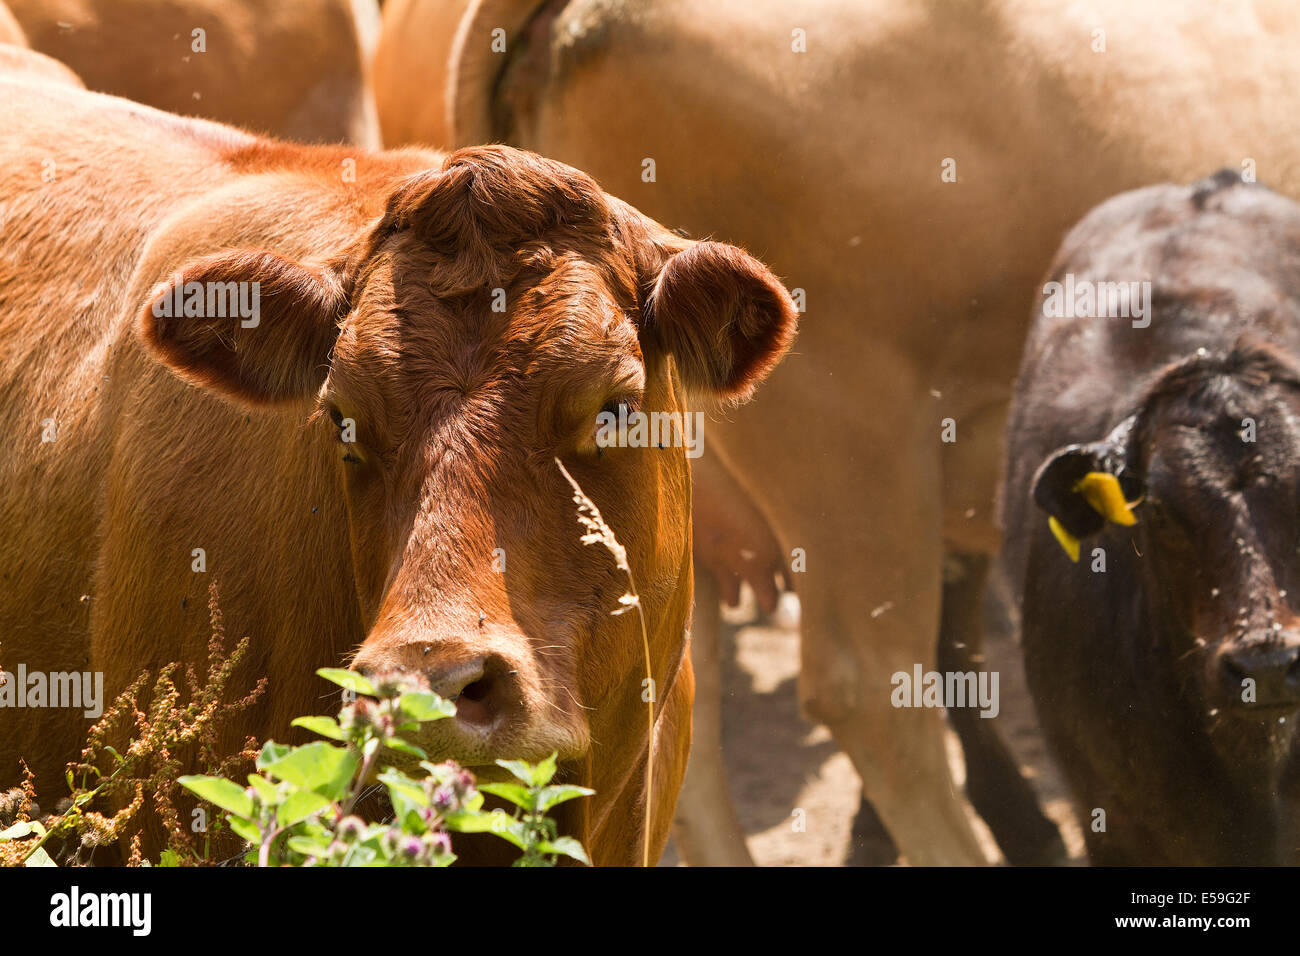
<point x="16" y="59"/>
<point x="295" y="70"/>
<point x="413" y="75"/>
<point x="366" y="284"/>
<point x="911" y="168"/>
<point x="10" y="31"/>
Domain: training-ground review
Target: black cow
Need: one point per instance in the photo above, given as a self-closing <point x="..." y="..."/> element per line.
<point x="1152" y="516"/>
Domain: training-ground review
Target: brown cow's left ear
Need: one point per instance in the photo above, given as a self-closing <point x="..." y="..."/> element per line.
<point x="725" y="318"/>
<point x="253" y="326"/>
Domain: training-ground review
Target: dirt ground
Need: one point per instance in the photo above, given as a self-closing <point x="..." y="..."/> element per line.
<point x="762" y="730"/>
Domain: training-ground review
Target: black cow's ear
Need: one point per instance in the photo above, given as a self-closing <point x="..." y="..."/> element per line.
<point x="253" y="326"/>
<point x="1081" y="487"/>
<point x="724" y="317"/>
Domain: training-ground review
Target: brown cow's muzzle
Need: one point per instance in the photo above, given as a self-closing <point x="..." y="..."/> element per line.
<point x="503" y="708"/>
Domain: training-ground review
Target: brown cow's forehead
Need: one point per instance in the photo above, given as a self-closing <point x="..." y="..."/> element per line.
<point x="567" y="335"/>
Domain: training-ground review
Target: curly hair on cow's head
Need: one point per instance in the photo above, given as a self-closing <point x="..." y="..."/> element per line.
<point x="484" y="202"/>
<point x="1220" y="378"/>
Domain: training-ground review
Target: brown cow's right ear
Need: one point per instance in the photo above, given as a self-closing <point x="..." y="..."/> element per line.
<point x="254" y="326"/>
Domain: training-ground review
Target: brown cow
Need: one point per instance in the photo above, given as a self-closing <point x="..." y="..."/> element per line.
<point x="734" y="540"/>
<point x="149" y="437"/>
<point x="912" y="168"/>
<point x="295" y="70"/>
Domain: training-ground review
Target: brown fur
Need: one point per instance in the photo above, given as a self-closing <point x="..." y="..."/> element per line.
<point x="287" y="69"/>
<point x="376" y="306"/>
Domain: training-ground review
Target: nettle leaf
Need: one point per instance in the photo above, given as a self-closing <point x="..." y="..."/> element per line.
<point x="17" y="831"/>
<point x="348" y="680"/>
<point x="314" y="830"/>
<point x="169" y="858"/>
<point x="534" y="775"/>
<point x="299" y="807"/>
<point x="325" y="726"/>
<point x="521" y="770"/>
<point x="307" y="846"/>
<point x="401" y="746"/>
<point x="317" y="766"/>
<point x="265" y="788"/>
<point x="516" y="793"/>
<point x="554" y="795"/>
<point x="400" y="786"/>
<point x="565" y="846"/>
<point x="40" y="858"/>
<point x="512" y="832"/>
<point x="225" y="794"/>
<point x="475" y="821"/>
<point x="363" y="855"/>
<point x="248" y="830"/>
<point x="545" y="770"/>
<point x="422" y="705"/>
<point x="271" y="752"/>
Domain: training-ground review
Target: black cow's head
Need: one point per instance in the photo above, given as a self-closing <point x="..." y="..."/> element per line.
<point x="1206" y="471"/>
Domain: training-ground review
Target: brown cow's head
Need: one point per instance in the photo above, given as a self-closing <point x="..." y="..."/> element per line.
<point x="455" y="351"/>
<point x="1213" y="456"/>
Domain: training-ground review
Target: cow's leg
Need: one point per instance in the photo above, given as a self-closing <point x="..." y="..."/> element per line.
<point x="902" y="760"/>
<point x="1003" y="797"/>
<point x="870" y="599"/>
<point x="704" y="824"/>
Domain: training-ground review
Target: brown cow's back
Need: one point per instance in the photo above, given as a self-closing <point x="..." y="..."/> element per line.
<point x="295" y="70"/>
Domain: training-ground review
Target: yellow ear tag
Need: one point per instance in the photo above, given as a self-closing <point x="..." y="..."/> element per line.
<point x="1102" y="491"/>
<point x="1066" y="540"/>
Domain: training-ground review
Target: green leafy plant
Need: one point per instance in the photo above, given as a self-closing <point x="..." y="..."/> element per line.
<point x="299" y="808"/>
<point x="154" y="725"/>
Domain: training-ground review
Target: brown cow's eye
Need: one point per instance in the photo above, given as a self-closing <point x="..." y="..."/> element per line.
<point x="609" y="428"/>
<point x="347" y="432"/>
<point x="613" y="407"/>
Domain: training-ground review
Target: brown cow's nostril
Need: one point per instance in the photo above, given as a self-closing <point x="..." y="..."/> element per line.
<point x="486" y="689"/>
<point x="473" y="704"/>
<point x="480" y="688"/>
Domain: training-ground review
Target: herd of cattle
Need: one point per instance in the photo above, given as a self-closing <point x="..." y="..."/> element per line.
<point x="1037" y="335"/>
